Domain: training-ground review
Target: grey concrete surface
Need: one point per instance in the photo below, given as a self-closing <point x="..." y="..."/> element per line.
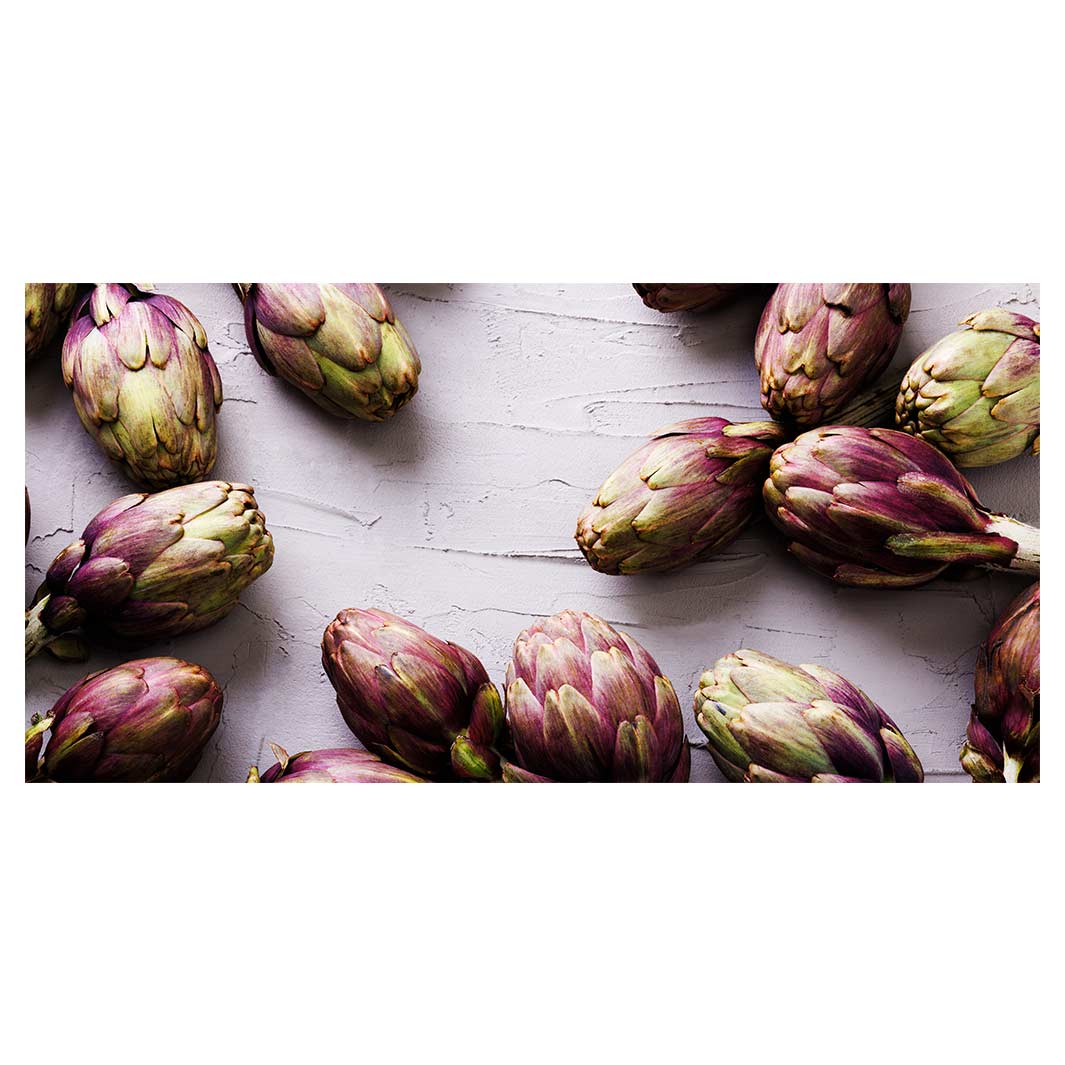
<point x="459" y="513"/>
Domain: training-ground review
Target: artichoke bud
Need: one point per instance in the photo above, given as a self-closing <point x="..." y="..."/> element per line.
<point x="339" y="344"/>
<point x="685" y="494"/>
<point x="819" y="345"/>
<point x="769" y="721"/>
<point x="144" y="383"/>
<point x="155" y="566"/>
<point x="146" y="720"/>
<point x="416" y="701"/>
<point x="586" y="702"/>
<point x="975" y="393"/>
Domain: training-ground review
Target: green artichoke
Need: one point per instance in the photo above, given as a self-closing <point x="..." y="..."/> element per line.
<point x="147" y="720"/>
<point x="975" y="393"/>
<point x="770" y="722"/>
<point x="587" y="703"/>
<point x="1002" y="742"/>
<point x="47" y="310"/>
<point x="149" y="567"/>
<point x="669" y="298"/>
<point x="145" y="386"/>
<point x="819" y="345"/>
<point x="341" y="765"/>
<point x="417" y="701"/>
<point x="879" y="508"/>
<point x="340" y="344"/>
<point x="686" y="493"/>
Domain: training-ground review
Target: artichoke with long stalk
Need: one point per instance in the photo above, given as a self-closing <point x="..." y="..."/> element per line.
<point x="146" y="720"/>
<point x="339" y="765"/>
<point x="819" y="345"/>
<point x="879" y="508"/>
<point x="1002" y="741"/>
<point x="975" y="393"/>
<point x="144" y="384"/>
<point x="339" y="344"/>
<point x="48" y="307"/>
<point x="149" y="567"/>
<point x="685" y="494"/>
<point x="419" y="702"/>
<point x="687" y="297"/>
<point x="770" y="722"/>
<point x="586" y="702"/>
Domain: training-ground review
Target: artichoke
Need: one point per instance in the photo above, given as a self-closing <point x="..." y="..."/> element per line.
<point x="880" y="508"/>
<point x="419" y="702"/>
<point x="668" y="298"/>
<point x="770" y="722"/>
<point x="340" y="344"/>
<point x="1002" y="741"/>
<point x="819" y="345"/>
<point x="147" y="720"/>
<point x="975" y="393"/>
<point x="149" y="567"/>
<point x="47" y="310"/>
<point x="342" y="765"/>
<point x="145" y="386"/>
<point x="587" y="703"/>
<point x="686" y="493"/>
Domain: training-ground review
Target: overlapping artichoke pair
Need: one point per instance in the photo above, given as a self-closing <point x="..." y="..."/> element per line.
<point x="146" y="720"/>
<point x="339" y="344"/>
<point x="1002" y="741"/>
<point x="584" y="702"/>
<point x="975" y="393"/>
<point x="818" y="345"/>
<point x="880" y="508"/>
<point x="48" y="307"/>
<point x="154" y="566"/>
<point x="770" y="722"/>
<point x="144" y="383"/>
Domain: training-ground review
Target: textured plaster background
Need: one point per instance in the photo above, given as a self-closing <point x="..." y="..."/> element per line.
<point x="459" y="513"/>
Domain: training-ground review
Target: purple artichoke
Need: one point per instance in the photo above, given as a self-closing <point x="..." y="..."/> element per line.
<point x="340" y="344"/>
<point x="819" y="345"/>
<point x="47" y="310"/>
<point x="770" y="722"/>
<point x="419" y="702"/>
<point x="879" y="508"/>
<point x="1002" y="742"/>
<point x="587" y="703"/>
<point x="686" y="493"/>
<point x="145" y="386"/>
<point x="668" y="298"/>
<point x="975" y="393"/>
<point x="147" y="720"/>
<point x="341" y="765"/>
<point x="149" y="567"/>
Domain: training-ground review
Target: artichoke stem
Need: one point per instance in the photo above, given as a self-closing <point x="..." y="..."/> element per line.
<point x="37" y="636"/>
<point x="1011" y="769"/>
<point x="1026" y="538"/>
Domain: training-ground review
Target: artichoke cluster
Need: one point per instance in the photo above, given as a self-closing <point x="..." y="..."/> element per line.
<point x="864" y="505"/>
